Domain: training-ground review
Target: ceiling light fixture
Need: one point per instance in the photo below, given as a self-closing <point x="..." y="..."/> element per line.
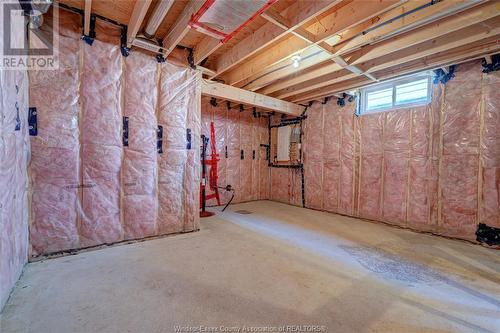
<point x="296" y="61"/>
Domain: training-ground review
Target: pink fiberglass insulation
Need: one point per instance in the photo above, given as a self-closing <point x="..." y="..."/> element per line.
<point x="460" y="152"/>
<point x="139" y="200"/>
<point x="313" y="154"/>
<point x="87" y="187"/>
<point x="264" y="174"/>
<point x="328" y="159"/>
<point x="432" y="168"/>
<point x="178" y="165"/>
<point x="191" y="190"/>
<point x="14" y="150"/>
<point x="238" y="131"/>
<point x="246" y="139"/>
<point x="101" y="144"/>
<point x="396" y="161"/>
<point x="490" y="151"/>
<point x="233" y="153"/>
<point x="55" y="158"/>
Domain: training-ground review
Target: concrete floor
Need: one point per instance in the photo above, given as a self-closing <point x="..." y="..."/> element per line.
<point x="280" y="265"/>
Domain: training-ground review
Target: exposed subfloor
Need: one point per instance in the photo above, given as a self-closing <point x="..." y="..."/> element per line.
<point x="279" y="265"/>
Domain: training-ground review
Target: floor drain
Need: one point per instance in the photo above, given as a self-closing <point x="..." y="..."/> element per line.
<point x="244" y="212"/>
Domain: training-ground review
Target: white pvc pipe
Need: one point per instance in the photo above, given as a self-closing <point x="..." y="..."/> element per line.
<point x="157" y="17"/>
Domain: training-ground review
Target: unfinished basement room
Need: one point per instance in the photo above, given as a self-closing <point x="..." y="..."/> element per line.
<point x="216" y="166"/>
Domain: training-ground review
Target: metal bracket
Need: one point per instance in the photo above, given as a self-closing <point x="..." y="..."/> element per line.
<point x="18" y="118"/>
<point x="242" y="154"/>
<point x="188" y="138"/>
<point x="190" y="59"/>
<point x="488" y="235"/>
<point x="125" y="132"/>
<point x="444" y="76"/>
<point x="491" y="64"/>
<point x="226" y="152"/>
<point x="159" y="139"/>
<point x="160" y="58"/>
<point x="341" y="101"/>
<point x="123" y="42"/>
<point x="268" y="151"/>
<point x="32" y="121"/>
<point x="213" y="101"/>
<point x="90" y="38"/>
<point x="253" y="154"/>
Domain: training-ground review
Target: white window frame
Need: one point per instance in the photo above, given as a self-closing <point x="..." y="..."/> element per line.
<point x="392" y="84"/>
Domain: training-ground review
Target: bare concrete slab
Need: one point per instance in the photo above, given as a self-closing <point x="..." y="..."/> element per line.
<point x="278" y="265"/>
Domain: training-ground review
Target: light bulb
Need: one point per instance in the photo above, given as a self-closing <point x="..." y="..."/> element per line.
<point x="296" y="61"/>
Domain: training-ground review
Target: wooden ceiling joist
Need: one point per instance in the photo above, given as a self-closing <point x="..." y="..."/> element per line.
<point x="135" y="22"/>
<point x="297" y="14"/>
<point x="465" y="53"/>
<point x="310" y="58"/>
<point x="452" y="40"/>
<point x="458" y="38"/>
<point x="86" y="17"/>
<point x="305" y="74"/>
<point x="433" y="30"/>
<point x="417" y="18"/>
<point x="206" y="47"/>
<point x="376" y="55"/>
<point x="353" y="38"/>
<point x="329" y="25"/>
<point x="181" y="26"/>
<point x="237" y="95"/>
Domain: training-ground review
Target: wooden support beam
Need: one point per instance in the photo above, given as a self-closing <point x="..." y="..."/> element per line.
<point x="460" y="38"/>
<point x="310" y="38"/>
<point x="319" y="82"/>
<point x="455" y="39"/>
<point x="86" y="17"/>
<point x="419" y="17"/>
<point x="310" y="57"/>
<point x="361" y="34"/>
<point x="303" y="75"/>
<point x="488" y="59"/>
<point x="134" y="24"/>
<point x="297" y="14"/>
<point x="433" y="30"/>
<point x="333" y="23"/>
<point x="322" y="76"/>
<point x="233" y="94"/>
<point x="205" y="47"/>
<point x="181" y="26"/>
<point x="457" y="55"/>
<point x="205" y="71"/>
<point x="276" y="18"/>
<point x="471" y="51"/>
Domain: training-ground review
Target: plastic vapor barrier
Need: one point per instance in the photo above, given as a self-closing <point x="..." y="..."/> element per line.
<point x="140" y="156"/>
<point x="98" y="175"/>
<point x="431" y="168"/>
<point x="55" y="151"/>
<point x="14" y="150"/>
<point x="101" y="144"/>
<point x="245" y="165"/>
<point x="178" y="166"/>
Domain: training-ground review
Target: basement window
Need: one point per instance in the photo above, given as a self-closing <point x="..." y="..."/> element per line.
<point x="407" y="92"/>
